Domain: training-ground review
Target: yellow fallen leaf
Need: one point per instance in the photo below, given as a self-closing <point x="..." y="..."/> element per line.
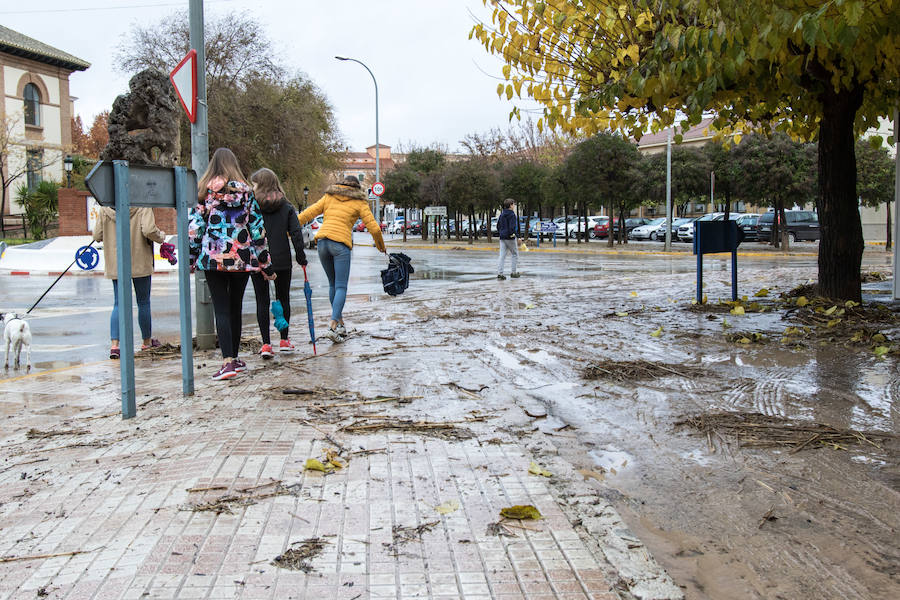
<point x="536" y="469"/>
<point x="529" y="306"/>
<point x="737" y="310"/>
<point x="857" y="337"/>
<point x="744" y="340"/>
<point x="621" y="314"/>
<point x="833" y="322"/>
<point x="830" y="311"/>
<point x="521" y="511"/>
<point x="851" y="303"/>
<point x="634" y="294"/>
<point x="705" y="299"/>
<point x="657" y="333"/>
<point x="881" y="351"/>
<point x="316" y="465"/>
<point x="879" y="338"/>
<point x="802" y="301"/>
<point x="761" y="293"/>
<point x="744" y="298"/>
<point x="586" y="473"/>
<point x="693" y="301"/>
<point x="445" y="508"/>
<point x="725" y="323"/>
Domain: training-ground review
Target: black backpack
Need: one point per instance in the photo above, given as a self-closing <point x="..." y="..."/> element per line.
<point x="396" y="277"/>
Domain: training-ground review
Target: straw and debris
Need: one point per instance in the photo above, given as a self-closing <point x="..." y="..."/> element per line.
<point x="756" y="430"/>
<point x="403" y="534"/>
<point x="446" y="430"/>
<point x="632" y="370"/>
<point x="36" y="434"/>
<point x="298" y="559"/>
<point x="166" y="350"/>
<point x="244" y="497"/>
<point x="746" y="337"/>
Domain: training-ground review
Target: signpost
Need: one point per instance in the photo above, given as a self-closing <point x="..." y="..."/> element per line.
<point x="184" y="80"/>
<point x="113" y="183"/>
<point x="711" y="237"/>
<point x="433" y="211"/>
<point x="547" y="227"/>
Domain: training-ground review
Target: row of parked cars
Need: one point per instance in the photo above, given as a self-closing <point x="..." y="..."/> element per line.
<point x="801" y="225"/>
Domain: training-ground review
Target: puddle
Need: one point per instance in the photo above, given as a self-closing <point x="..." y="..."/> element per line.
<point x="507" y="359"/>
<point x="611" y="458"/>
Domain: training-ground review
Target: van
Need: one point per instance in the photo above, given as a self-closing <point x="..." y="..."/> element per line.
<point x="801" y="225"/>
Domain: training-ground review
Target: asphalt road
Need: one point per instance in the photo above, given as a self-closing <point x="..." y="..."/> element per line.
<point x="71" y="325"/>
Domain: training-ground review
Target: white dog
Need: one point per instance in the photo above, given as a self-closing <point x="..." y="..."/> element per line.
<point x="17" y="334"/>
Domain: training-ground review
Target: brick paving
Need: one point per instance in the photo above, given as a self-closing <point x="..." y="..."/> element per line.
<point x="119" y="501"/>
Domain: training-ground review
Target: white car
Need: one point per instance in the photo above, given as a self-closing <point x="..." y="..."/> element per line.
<point x="396" y="226"/>
<point x="649" y="231"/>
<point x="686" y="231"/>
<point x="576" y="229"/>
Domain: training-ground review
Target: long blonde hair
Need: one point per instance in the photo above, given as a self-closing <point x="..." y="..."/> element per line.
<point x="267" y="188"/>
<point x="222" y="164"/>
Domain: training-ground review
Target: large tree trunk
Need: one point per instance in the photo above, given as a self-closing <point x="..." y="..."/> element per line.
<point x="841" y="246"/>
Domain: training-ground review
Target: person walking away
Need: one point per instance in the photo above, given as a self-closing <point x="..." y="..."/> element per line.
<point x="228" y="241"/>
<point x="280" y="219"/>
<point x="342" y="204"/>
<point x="143" y="233"/>
<point x="507" y="230"/>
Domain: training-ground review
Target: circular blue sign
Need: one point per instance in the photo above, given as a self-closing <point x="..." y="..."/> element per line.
<point x="87" y="258"/>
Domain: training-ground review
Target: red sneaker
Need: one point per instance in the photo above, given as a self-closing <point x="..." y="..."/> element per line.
<point x="285" y="346"/>
<point x="266" y="351"/>
<point x="226" y="372"/>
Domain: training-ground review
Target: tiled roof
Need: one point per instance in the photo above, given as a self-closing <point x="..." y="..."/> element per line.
<point x="696" y="132"/>
<point x="13" y="42"/>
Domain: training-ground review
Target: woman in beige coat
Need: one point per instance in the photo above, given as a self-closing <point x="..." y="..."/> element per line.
<point x="143" y="233"/>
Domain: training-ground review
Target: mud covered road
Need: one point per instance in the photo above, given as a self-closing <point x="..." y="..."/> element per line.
<point x="725" y="519"/>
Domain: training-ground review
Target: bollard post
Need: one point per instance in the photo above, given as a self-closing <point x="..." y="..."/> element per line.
<point x="182" y="193"/>
<point x="123" y="276"/>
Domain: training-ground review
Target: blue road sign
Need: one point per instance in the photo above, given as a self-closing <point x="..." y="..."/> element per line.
<point x="87" y="258"/>
<point x="548" y="227"/>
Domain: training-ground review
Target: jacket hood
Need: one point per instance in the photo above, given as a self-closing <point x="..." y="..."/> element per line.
<point x="231" y="194"/>
<point x="345" y="192"/>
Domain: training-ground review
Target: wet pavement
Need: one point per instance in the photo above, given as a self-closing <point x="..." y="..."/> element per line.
<point x="504" y="361"/>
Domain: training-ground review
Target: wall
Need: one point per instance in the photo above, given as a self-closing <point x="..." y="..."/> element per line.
<point x="73" y="214"/>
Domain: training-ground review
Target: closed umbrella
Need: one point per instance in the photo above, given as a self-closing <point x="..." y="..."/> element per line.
<point x="307" y="291"/>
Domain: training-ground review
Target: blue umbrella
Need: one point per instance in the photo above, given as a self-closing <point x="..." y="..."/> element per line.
<point x="307" y="291"/>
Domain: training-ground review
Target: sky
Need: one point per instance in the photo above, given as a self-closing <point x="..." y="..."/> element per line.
<point x="435" y="85"/>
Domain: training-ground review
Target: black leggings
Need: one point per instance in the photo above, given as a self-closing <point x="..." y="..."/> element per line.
<point x="227" y="291"/>
<point x="282" y="294"/>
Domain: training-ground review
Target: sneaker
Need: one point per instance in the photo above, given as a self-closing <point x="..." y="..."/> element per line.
<point x="226" y="372"/>
<point x="515" y="275"/>
<point x="501" y="276"/>
<point x="239" y="365"/>
<point x="342" y="331"/>
<point x="114" y="353"/>
<point x="334" y="336"/>
<point x="266" y="351"/>
<point x="285" y="346"/>
<point x="154" y="343"/>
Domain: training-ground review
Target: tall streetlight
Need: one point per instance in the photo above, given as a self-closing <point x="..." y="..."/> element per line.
<point x="377" y="148"/>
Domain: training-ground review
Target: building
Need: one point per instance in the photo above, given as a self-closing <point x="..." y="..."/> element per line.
<point x="36" y="112"/>
<point x="362" y="164"/>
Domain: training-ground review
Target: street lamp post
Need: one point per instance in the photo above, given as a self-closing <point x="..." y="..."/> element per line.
<point x="305" y="196"/>
<point x="68" y="163"/>
<point x="377" y="148"/>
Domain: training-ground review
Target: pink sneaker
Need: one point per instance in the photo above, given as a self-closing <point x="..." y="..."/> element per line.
<point x="266" y="351"/>
<point x="226" y="372"/>
<point x="285" y="346"/>
<point x="239" y="365"/>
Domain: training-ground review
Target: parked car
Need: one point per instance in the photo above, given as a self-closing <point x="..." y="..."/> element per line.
<point x="747" y="224"/>
<point x="360" y="226"/>
<point x="310" y="230"/>
<point x="801" y="225"/>
<point x="686" y="231"/>
<point x="414" y="228"/>
<point x="576" y="229"/>
<point x="396" y="226"/>
<point x="630" y="224"/>
<point x="648" y="231"/>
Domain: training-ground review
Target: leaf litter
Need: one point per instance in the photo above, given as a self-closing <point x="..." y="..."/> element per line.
<point x="298" y="559"/>
<point x="632" y="370"/>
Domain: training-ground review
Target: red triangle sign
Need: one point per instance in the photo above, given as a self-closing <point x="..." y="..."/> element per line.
<point x="184" y="80"/>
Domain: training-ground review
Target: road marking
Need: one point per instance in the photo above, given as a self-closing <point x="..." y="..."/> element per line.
<point x="52" y="371"/>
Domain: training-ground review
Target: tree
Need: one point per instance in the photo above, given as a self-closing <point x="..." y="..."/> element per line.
<point x="41" y="206"/>
<point x="875" y="179"/>
<point x="14" y="161"/>
<point x="91" y="143"/>
<point x="473" y="184"/>
<point x="523" y="181"/>
<point x="815" y="70"/>
<point x="266" y="117"/>
<point x="402" y="188"/>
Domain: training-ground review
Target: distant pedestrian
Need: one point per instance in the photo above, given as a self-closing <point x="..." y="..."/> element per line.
<point x="508" y="231"/>
<point x="228" y="241"/>
<point x="342" y="204"/>
<point x="280" y="218"/>
<point x="143" y="233"/>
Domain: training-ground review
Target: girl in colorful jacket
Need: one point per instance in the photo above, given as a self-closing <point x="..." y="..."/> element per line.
<point x="342" y="204"/>
<point x="228" y="242"/>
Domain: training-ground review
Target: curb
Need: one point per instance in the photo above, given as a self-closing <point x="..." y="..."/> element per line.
<point x="686" y="252"/>
<point x="91" y="273"/>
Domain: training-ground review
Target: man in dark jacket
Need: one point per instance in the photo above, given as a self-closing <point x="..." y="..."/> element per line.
<point x="507" y="229"/>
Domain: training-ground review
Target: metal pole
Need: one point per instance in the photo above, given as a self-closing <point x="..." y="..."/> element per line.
<point x="206" y="333"/>
<point x="183" y="199"/>
<point x="123" y="277"/>
<point x="896" y="202"/>
<point x="377" y="146"/>
<point x="669" y="192"/>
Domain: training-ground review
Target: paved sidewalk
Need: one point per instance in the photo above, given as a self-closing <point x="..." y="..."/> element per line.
<point x="196" y="497"/>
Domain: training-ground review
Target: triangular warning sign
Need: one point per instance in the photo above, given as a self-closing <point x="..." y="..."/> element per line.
<point x="184" y="80"/>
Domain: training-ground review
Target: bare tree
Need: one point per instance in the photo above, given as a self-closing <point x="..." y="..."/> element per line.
<point x="14" y="146"/>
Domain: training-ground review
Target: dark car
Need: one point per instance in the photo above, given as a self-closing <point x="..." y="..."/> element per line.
<point x="747" y="224"/>
<point x="801" y="225"/>
<point x="414" y="228"/>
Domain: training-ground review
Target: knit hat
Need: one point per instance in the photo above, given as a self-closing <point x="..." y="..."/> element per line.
<point x="350" y="181"/>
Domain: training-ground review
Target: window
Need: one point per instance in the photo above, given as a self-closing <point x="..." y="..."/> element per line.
<point x="34" y="164"/>
<point x="32" y="105"/>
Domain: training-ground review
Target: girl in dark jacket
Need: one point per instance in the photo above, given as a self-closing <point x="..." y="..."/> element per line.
<point x="281" y="222"/>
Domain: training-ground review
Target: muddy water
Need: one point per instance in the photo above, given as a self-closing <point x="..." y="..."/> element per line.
<point x="699" y="504"/>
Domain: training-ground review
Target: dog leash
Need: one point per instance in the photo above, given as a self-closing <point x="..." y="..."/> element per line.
<point x="77" y="256"/>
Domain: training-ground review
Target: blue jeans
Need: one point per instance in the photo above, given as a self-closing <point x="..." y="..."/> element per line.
<point x="335" y="259"/>
<point x="142" y="294"/>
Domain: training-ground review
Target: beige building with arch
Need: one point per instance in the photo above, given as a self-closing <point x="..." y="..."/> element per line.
<point x="36" y="112"/>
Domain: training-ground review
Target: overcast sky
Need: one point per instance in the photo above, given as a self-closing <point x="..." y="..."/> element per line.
<point x="434" y="84"/>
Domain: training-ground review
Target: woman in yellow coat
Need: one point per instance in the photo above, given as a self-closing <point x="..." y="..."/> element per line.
<point x="342" y="204"/>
